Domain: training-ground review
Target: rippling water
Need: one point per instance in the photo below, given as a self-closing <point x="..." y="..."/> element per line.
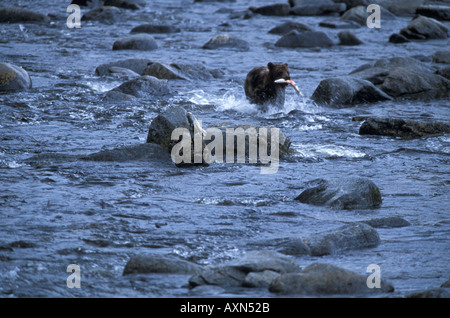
<point x="99" y="214"/>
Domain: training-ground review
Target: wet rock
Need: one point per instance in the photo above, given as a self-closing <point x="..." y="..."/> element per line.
<point x="347" y="237"/>
<point x="136" y="65"/>
<point x="295" y="39"/>
<point x="444" y="72"/>
<point x="144" y="152"/>
<point x="279" y="9"/>
<point x="145" y="264"/>
<point x="225" y="41"/>
<point x="407" y="129"/>
<point x="260" y="279"/>
<point x="13" y="78"/>
<point x="181" y="71"/>
<point x="347" y="90"/>
<point x="442" y="57"/>
<point x="107" y="15"/>
<point x="410" y="84"/>
<point x="318" y="7"/>
<point x="339" y="24"/>
<point x="401" y="7"/>
<point x="446" y="284"/>
<point x="348" y="38"/>
<point x="145" y="86"/>
<point x="325" y="279"/>
<point x="234" y="273"/>
<point x="141" y="42"/>
<point x="288" y="246"/>
<point x="155" y="28"/>
<point x="398" y="38"/>
<point x="387" y="222"/>
<point x="241" y="14"/>
<point x="357" y="14"/>
<point x="431" y="293"/>
<point x="288" y="26"/>
<point x="21" y="15"/>
<point x="436" y="11"/>
<point x="424" y="28"/>
<point x="126" y="4"/>
<point x="345" y="193"/>
<point x="354" y="3"/>
<point x="122" y="72"/>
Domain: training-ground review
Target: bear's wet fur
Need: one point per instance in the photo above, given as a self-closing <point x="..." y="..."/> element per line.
<point x="261" y="89"/>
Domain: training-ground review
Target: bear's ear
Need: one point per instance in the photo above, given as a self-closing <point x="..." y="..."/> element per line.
<point x="270" y="65"/>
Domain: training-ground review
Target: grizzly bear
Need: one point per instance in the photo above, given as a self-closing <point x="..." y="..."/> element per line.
<point x="266" y="85"/>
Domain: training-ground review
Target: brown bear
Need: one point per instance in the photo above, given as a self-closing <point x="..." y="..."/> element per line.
<point x="266" y="85"/>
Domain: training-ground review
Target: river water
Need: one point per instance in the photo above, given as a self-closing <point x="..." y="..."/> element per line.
<point x="99" y="214"/>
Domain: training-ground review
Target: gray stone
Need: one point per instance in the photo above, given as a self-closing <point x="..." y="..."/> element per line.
<point x="225" y="41"/>
<point x="424" y="28"/>
<point x="126" y="4"/>
<point x="387" y="222"/>
<point x="21" y="15"/>
<point x="136" y="65"/>
<point x="122" y="72"/>
<point x="347" y="237"/>
<point x="346" y="90"/>
<point x="142" y="152"/>
<point x="306" y="39"/>
<point x="13" y="78"/>
<point x="318" y="7"/>
<point x="141" y="42"/>
<point x="286" y="27"/>
<point x="436" y="11"/>
<point x="400" y="7"/>
<point x="106" y="14"/>
<point x="348" y="38"/>
<point x="407" y="129"/>
<point x="431" y="293"/>
<point x="155" y="28"/>
<point x="442" y="57"/>
<point x="345" y="193"/>
<point x="288" y="246"/>
<point x="180" y="71"/>
<point x="145" y="264"/>
<point x="145" y="86"/>
<point x="325" y="279"/>
<point x="357" y="14"/>
<point x="260" y="279"/>
<point x="398" y="38"/>
<point x="279" y="9"/>
<point x="444" y="72"/>
<point x="339" y="24"/>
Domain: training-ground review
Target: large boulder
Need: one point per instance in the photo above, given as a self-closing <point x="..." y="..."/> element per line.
<point x="325" y="279"/>
<point x="424" y="28"/>
<point x="347" y="90"/>
<point x="318" y="7"/>
<point x="295" y="39"/>
<point x="145" y="87"/>
<point x="407" y="129"/>
<point x="436" y="11"/>
<point x="145" y="264"/>
<point x="136" y="65"/>
<point x="400" y="7"/>
<point x="141" y="42"/>
<point x="345" y="193"/>
<point x="21" y="15"/>
<point x="222" y="41"/>
<point x="13" y="78"/>
<point x="235" y="272"/>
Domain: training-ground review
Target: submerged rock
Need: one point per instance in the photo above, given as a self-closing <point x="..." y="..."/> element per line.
<point x="235" y="272"/>
<point x="145" y="151"/>
<point x="325" y="279"/>
<point x="407" y="129"/>
<point x="347" y="237"/>
<point x="387" y="222"/>
<point x="145" y="87"/>
<point x="279" y="9"/>
<point x="106" y="14"/>
<point x="339" y="24"/>
<point x="288" y="26"/>
<point x="347" y="90"/>
<point x="155" y="28"/>
<point x="345" y="193"/>
<point x="13" y="78"/>
<point x="145" y="264"/>
<point x="442" y="56"/>
<point x="318" y="7"/>
<point x="21" y="15"/>
<point x="136" y="65"/>
<point x="180" y="71"/>
<point x="436" y="11"/>
<point x="306" y="39"/>
<point x="348" y="38"/>
<point x="141" y="42"/>
<point x="431" y="293"/>
<point x="225" y="41"/>
<point x="126" y="4"/>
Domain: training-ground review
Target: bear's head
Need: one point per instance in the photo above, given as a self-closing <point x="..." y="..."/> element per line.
<point x="278" y="71"/>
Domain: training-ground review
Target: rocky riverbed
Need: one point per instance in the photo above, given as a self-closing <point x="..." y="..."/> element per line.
<point x="87" y="177"/>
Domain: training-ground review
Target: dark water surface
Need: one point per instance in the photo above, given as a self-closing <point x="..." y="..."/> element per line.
<point x="99" y="214"/>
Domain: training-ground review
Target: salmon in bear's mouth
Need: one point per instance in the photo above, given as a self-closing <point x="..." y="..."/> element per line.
<point x="289" y="81"/>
